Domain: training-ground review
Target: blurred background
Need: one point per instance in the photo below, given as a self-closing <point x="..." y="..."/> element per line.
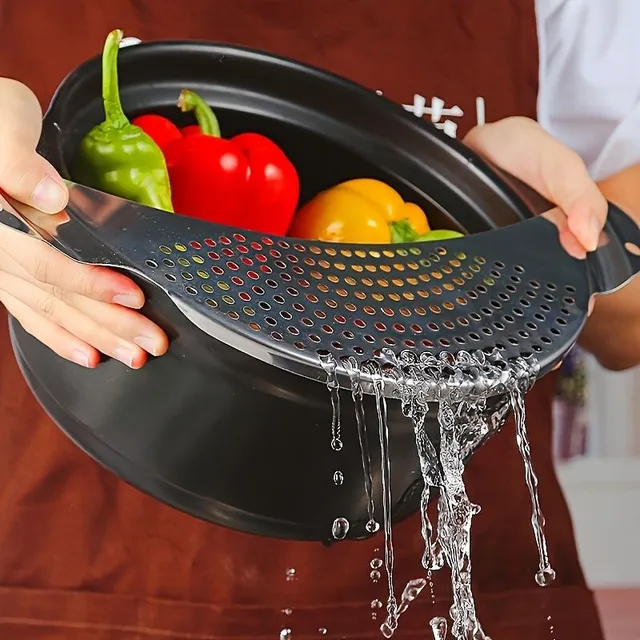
<point x="597" y="447"/>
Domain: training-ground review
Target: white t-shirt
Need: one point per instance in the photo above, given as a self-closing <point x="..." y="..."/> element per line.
<point x="589" y="95"/>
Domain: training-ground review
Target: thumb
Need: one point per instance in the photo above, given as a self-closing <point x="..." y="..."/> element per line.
<point x="25" y="175"/>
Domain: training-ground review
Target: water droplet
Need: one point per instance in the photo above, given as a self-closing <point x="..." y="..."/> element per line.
<point x="546" y="576"/>
<point x="338" y="478"/>
<point x="372" y="526"/>
<point x="432" y="588"/>
<point x="387" y="630"/>
<point x="336" y="444"/>
<point x="376" y="604"/>
<point x="374" y="616"/>
<point x="375" y="575"/>
<point x="287" y="612"/>
<point x="291" y="574"/>
<point x="413" y="589"/>
<point x="285" y="634"/>
<point x="340" y="528"/>
<point x="376" y="563"/>
<point x="322" y="631"/>
<point x="439" y="628"/>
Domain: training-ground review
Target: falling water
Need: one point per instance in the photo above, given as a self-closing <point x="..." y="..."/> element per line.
<point x="455" y="512"/>
<point x="545" y="575"/>
<point x="329" y="365"/>
<point x="552" y="632"/>
<point x="432" y="590"/>
<point x="459" y="385"/>
<point x="439" y="628"/>
<point x="411" y="591"/>
<point x="391" y="622"/>
<point x="358" y="395"/>
<point x="415" y="407"/>
<point x="428" y="465"/>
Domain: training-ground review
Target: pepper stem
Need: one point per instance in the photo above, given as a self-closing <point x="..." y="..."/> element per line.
<point x="207" y="121"/>
<point x="110" y="91"/>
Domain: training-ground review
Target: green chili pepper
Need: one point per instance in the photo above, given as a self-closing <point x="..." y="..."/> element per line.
<point x="116" y="156"/>
<point x="438" y="234"/>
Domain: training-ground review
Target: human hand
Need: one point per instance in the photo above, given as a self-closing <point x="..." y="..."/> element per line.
<point x="78" y="311"/>
<point x="521" y="147"/>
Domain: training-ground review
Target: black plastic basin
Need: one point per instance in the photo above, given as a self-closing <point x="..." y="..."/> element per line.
<point x="206" y="428"/>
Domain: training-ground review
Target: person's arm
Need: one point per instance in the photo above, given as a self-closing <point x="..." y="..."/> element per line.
<point x="590" y="100"/>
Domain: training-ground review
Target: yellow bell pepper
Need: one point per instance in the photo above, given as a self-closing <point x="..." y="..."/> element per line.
<point x="356" y="211"/>
<point x="416" y="218"/>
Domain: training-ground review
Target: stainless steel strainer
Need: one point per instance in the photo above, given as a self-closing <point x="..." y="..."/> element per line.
<point x="284" y="300"/>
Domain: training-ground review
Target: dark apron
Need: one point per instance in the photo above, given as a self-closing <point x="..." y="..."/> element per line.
<point x="85" y="557"/>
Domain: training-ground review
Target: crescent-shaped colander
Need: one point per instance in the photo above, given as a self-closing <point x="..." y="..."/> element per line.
<point x="285" y="301"/>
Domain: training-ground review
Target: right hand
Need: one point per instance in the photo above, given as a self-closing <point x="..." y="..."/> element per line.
<point x="79" y="311"/>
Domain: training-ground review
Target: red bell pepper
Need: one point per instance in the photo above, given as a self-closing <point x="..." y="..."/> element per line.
<point x="246" y="181"/>
<point x="191" y="130"/>
<point x="164" y="132"/>
<point x="161" y="130"/>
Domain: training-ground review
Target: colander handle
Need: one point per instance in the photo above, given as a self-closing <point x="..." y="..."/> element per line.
<point x="617" y="260"/>
<point x="78" y="243"/>
<point x="9" y="217"/>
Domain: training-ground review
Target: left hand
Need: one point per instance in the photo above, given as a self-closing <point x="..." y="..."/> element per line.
<point x="523" y="148"/>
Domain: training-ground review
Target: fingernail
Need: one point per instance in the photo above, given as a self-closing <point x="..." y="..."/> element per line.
<point x="81" y="358"/>
<point x="49" y="195"/>
<point x="125" y="356"/>
<point x="148" y="344"/>
<point x="128" y="300"/>
<point x="595" y="228"/>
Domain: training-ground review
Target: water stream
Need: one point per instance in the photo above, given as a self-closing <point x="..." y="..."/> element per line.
<point x="545" y="575"/>
<point x="458" y="386"/>
<point x="391" y="623"/>
<point x="329" y="365"/>
<point x="357" y="394"/>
